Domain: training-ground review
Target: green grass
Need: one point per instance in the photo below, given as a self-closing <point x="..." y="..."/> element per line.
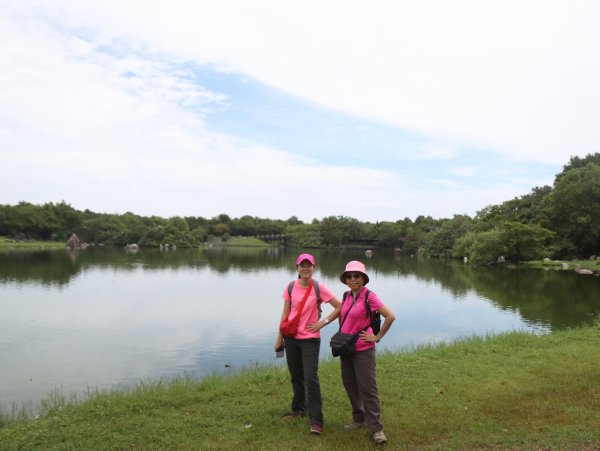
<point x="588" y="264"/>
<point x="244" y="241"/>
<point x="511" y="391"/>
<point x="7" y="244"/>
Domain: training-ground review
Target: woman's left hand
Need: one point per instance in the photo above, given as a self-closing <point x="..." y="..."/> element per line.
<point x="369" y="338"/>
<point x="314" y="327"/>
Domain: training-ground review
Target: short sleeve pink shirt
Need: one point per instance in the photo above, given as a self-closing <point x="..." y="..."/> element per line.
<point x="310" y="313"/>
<point x="357" y="318"/>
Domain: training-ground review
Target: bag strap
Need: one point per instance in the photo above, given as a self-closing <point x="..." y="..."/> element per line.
<point x="317" y="292"/>
<point x="301" y="308"/>
<point x="345" y="295"/>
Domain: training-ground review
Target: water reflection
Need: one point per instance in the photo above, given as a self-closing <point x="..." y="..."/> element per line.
<point x="104" y="317"/>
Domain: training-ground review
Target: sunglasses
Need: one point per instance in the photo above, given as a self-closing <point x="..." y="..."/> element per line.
<point x="352" y="275"/>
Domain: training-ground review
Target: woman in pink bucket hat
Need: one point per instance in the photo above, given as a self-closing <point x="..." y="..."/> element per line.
<point x="301" y="301"/>
<point x="359" y="305"/>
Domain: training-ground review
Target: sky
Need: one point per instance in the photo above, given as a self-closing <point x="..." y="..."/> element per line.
<point x="377" y="111"/>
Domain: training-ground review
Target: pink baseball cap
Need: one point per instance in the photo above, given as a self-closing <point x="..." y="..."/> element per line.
<point x="306" y="257"/>
<point x="355" y="266"/>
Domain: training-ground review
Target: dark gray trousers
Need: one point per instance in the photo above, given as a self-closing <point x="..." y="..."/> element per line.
<point x="359" y="378"/>
<point x="303" y="362"/>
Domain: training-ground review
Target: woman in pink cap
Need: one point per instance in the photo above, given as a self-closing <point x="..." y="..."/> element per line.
<point x="302" y="349"/>
<point x="358" y="369"/>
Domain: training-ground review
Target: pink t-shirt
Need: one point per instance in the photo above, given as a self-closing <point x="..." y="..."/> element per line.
<point x="357" y="318"/>
<point x="310" y="313"/>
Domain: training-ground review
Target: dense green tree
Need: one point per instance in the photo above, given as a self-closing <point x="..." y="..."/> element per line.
<point x="368" y="230"/>
<point x="425" y="223"/>
<point x="177" y="231"/>
<point x="389" y="234"/>
<point x="222" y="219"/>
<point x="219" y="229"/>
<point x="305" y="235"/>
<point x="5" y="229"/>
<point x="576" y="162"/>
<point x="104" y="229"/>
<point x="200" y="234"/>
<point x="196" y="221"/>
<point x="155" y="232"/>
<point x="575" y="203"/>
<point x="335" y="229"/>
<point x="464" y="244"/>
<point x="415" y="241"/>
<point x="512" y="240"/>
<point x="442" y="239"/>
<point x="524" y="242"/>
<point x="486" y="247"/>
<point x="270" y="227"/>
<point x="26" y="220"/>
<point x="245" y="226"/>
<point x="418" y="235"/>
<point x="133" y="228"/>
<point x="293" y="220"/>
<point x="532" y="208"/>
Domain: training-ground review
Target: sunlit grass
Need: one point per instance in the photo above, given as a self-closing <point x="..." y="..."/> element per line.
<point x="7" y="244"/>
<point x="593" y="265"/>
<point x="244" y="242"/>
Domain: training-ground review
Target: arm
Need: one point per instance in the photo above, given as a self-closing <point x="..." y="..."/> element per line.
<point x="284" y="315"/>
<point x="387" y="323"/>
<point x="337" y="307"/>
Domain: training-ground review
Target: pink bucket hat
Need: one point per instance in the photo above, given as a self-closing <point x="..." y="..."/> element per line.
<point x="355" y="266"/>
<point x="306" y="257"/>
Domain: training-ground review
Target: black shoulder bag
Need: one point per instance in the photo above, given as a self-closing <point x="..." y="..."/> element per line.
<point x="341" y="343"/>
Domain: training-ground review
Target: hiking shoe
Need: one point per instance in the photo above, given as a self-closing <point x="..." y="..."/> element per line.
<point x="379" y="437"/>
<point x="353" y="425"/>
<point x="316" y="429"/>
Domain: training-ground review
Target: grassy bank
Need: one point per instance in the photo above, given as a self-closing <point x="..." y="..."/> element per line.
<point x="7" y="244"/>
<point x="512" y="391"/>
<point x="593" y="265"/>
<point x="242" y="241"/>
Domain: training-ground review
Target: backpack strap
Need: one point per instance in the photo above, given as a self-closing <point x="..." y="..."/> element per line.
<point x="367" y="303"/>
<point x="375" y="316"/>
<point x="316" y="287"/>
<point x="317" y="291"/>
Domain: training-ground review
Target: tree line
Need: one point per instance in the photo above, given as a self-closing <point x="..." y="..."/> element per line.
<point x="559" y="221"/>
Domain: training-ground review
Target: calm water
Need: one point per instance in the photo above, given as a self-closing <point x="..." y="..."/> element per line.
<point x="106" y="319"/>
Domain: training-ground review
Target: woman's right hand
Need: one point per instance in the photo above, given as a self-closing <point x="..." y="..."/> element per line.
<point x="278" y="342"/>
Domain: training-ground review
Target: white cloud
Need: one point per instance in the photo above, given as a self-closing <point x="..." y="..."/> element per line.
<point x="515" y="77"/>
<point x="465" y="171"/>
<point x="101" y="98"/>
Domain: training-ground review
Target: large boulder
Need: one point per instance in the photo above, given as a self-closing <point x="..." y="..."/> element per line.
<point x="74" y="242"/>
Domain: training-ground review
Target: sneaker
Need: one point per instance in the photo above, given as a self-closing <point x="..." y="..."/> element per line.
<point x="316" y="429"/>
<point x="353" y="425"/>
<point x="379" y="437"/>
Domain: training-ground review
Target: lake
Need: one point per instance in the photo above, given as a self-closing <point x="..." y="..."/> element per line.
<point x="103" y="318"/>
